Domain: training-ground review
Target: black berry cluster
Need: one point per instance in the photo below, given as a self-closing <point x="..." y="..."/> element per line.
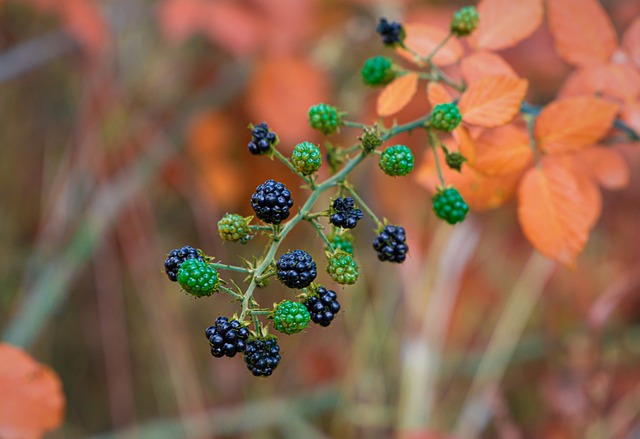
<point x="177" y="257"/>
<point x="323" y="306"/>
<point x="391" y="244"/>
<point x="261" y="139"/>
<point x="227" y="337"/>
<point x="345" y="214"/>
<point x="262" y="355"/>
<point x="392" y="32"/>
<point x="271" y="202"/>
<point x="296" y="269"/>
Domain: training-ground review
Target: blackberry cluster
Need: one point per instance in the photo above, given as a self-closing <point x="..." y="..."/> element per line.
<point x="261" y="139"/>
<point x="296" y="269"/>
<point x="262" y="355"/>
<point x="324" y="118"/>
<point x="345" y="214"/>
<point x="464" y="21"/>
<point x="377" y="71"/>
<point x="392" y="33"/>
<point x="226" y="337"/>
<point x="445" y="117"/>
<point x="306" y="158"/>
<point x="397" y="161"/>
<point x="449" y="205"/>
<point x="290" y="317"/>
<point x="234" y="228"/>
<point x="323" y="306"/>
<point x="271" y="202"/>
<point x="342" y="268"/>
<point x="177" y="257"/>
<point x="342" y="241"/>
<point x="391" y="244"/>
<point x="198" y="278"/>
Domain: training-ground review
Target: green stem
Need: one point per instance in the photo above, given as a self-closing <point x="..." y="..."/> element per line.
<point x="351" y="124"/>
<point x="422" y="122"/>
<point x="438" y="47"/>
<point x="260" y="312"/>
<point x="434" y="142"/>
<point x="260" y="227"/>
<point x="230" y="291"/>
<point x="219" y="266"/>
<point x="287" y="162"/>
<point x="316" y="225"/>
<point x="362" y="204"/>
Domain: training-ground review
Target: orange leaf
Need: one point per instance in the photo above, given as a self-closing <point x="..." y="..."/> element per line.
<point x="484" y="63"/>
<point x="573" y="123"/>
<point x="553" y="212"/>
<point x="614" y="80"/>
<point x="397" y="94"/>
<point x="631" y="41"/>
<point x="422" y="39"/>
<point x="504" y="150"/>
<point x="437" y="94"/>
<point x="504" y="23"/>
<point x="232" y="25"/>
<point x="631" y="114"/>
<point x="582" y="31"/>
<point x="179" y="18"/>
<point x="605" y="165"/>
<point x="32" y="401"/>
<point x="492" y="101"/>
<point x="466" y="144"/>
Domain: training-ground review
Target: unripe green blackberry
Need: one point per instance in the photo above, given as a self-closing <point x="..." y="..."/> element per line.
<point x="377" y="71"/>
<point x="342" y="268"/>
<point x="445" y="117"/>
<point x="290" y="317"/>
<point x="234" y="228"/>
<point x="342" y="241"/>
<point x="449" y="205"/>
<point x="396" y="160"/>
<point x="198" y="278"/>
<point x="324" y="118"/>
<point x="464" y="21"/>
<point x="306" y="158"/>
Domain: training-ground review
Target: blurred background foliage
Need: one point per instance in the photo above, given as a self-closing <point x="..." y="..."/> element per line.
<point x="123" y="135"/>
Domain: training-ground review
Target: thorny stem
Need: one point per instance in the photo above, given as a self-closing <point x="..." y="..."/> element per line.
<point x="362" y="204"/>
<point x="230" y="292"/>
<point x="351" y="124"/>
<point x="316" y="225"/>
<point x="287" y="162"/>
<point x="219" y="266"/>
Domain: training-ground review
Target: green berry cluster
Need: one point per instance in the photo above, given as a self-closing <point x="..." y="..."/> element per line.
<point x="306" y="158"/>
<point x="342" y="241"/>
<point x="445" y="117"/>
<point x="234" y="228"/>
<point x="449" y="205"/>
<point x="290" y="317"/>
<point x="377" y="71"/>
<point x="198" y="278"/>
<point x="464" y="21"/>
<point x="324" y="118"/>
<point x="396" y="161"/>
<point x="342" y="268"/>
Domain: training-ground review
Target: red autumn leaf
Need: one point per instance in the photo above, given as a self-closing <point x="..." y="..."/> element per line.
<point x="232" y="25"/>
<point x="631" y="41"/>
<point x="502" y="151"/>
<point x="32" y="401"/>
<point x="482" y="64"/>
<point x="553" y="212"/>
<point x="612" y="80"/>
<point x="605" y="165"/>
<point x="573" y="123"/>
<point x="582" y="31"/>
<point x="492" y="101"/>
<point x="422" y="39"/>
<point x="504" y="23"/>
<point x="437" y="94"/>
<point x="179" y="18"/>
<point x="397" y="94"/>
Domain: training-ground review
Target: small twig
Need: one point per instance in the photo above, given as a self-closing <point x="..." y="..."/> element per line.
<point x="362" y="204"/>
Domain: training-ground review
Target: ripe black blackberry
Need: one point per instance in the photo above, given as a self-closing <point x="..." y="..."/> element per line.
<point x="261" y="139"/>
<point x="391" y="244"/>
<point x="262" y="355"/>
<point x="323" y="306"/>
<point x="345" y="215"/>
<point x="227" y="337"/>
<point x="271" y="202"/>
<point x="392" y="32"/>
<point x="296" y="269"/>
<point x="177" y="257"/>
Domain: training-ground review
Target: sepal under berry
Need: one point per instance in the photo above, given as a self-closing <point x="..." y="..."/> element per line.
<point x="296" y="269"/>
<point x="464" y="21"/>
<point x="262" y="139"/>
<point x="391" y="244"/>
<point x="342" y="267"/>
<point x="392" y="33"/>
<point x="306" y="158"/>
<point x="454" y="160"/>
<point x="290" y="317"/>
<point x="262" y="354"/>
<point x="325" y="118"/>
<point x="371" y="139"/>
<point x="235" y="228"/>
<point x="227" y="337"/>
<point x="176" y="257"/>
<point x="344" y="213"/>
<point x="377" y="71"/>
<point x="198" y="278"/>
<point x="323" y="306"/>
<point x="449" y="205"/>
<point x="397" y="161"/>
<point x="445" y="117"/>
<point x="271" y="202"/>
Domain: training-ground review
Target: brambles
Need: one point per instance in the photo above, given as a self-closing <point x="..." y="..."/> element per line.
<point x="262" y="355"/>
<point x="176" y="258"/>
<point x="391" y="244"/>
<point x="464" y="21"/>
<point x="198" y="278"/>
<point x="342" y="241"/>
<point x="392" y="33"/>
<point x="271" y="202"/>
<point x="290" y="317"/>
<point x="396" y="161"/>
<point x="296" y="269"/>
<point x="445" y="117"/>
<point x="377" y="71"/>
<point x="234" y="228"/>
<point x="449" y="205"/>
<point x="261" y="139"/>
<point x="323" y="306"/>
<point x="342" y="268"/>
<point x="345" y="214"/>
<point x="324" y="118"/>
<point x="227" y="337"/>
<point x="306" y="158"/>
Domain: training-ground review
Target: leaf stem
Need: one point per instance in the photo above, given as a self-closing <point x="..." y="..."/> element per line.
<point x="220" y="266"/>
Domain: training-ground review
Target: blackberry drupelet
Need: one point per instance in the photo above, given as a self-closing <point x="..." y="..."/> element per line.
<point x="271" y="202"/>
<point x="296" y="269"/>
<point x="391" y="244"/>
<point x="262" y="355"/>
<point x="344" y="214"/>
<point x="323" y="306"/>
<point x="227" y="337"/>
<point x="290" y="317"/>
<point x="261" y="139"/>
<point x="177" y="257"/>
